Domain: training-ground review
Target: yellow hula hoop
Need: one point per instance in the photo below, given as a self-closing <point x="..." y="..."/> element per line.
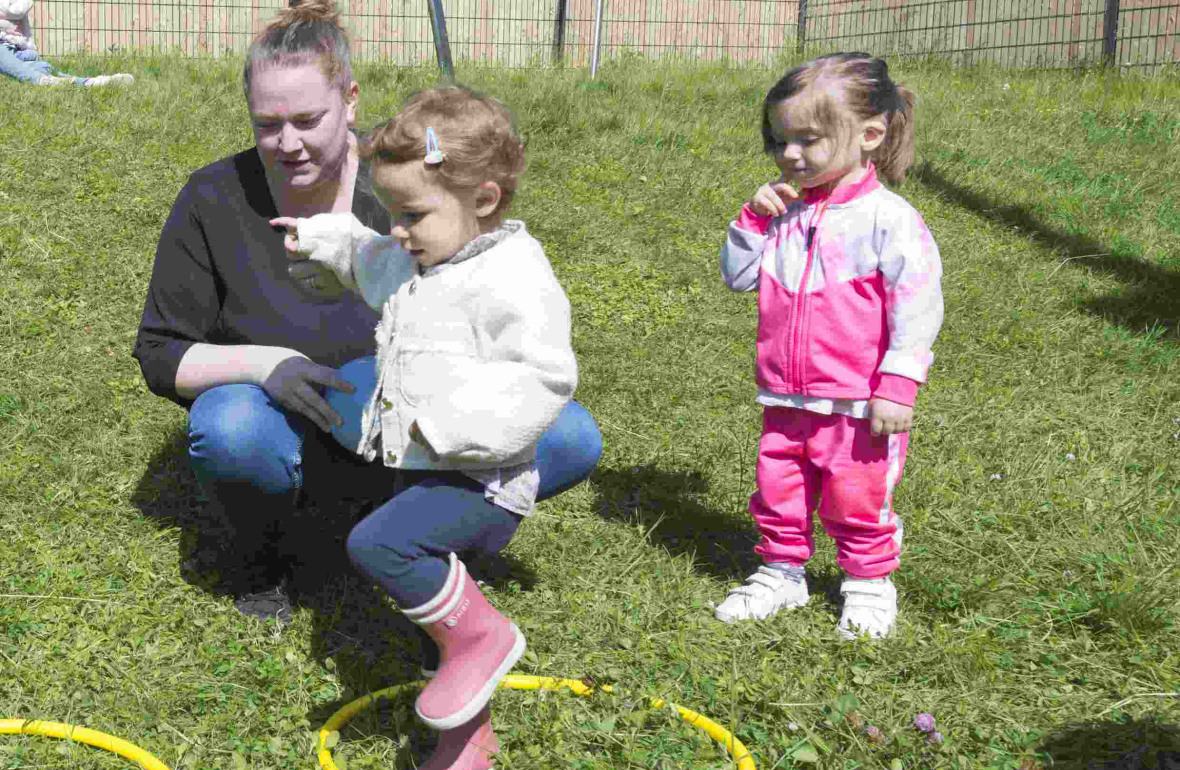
<point x="736" y="749"/>
<point x="80" y="734"/>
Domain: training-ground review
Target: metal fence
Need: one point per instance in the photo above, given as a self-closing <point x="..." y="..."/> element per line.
<point x="1135" y="33"/>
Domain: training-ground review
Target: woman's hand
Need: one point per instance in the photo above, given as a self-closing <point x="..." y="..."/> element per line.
<point x="886" y="417"/>
<point x="772" y="198"/>
<point x="295" y="383"/>
<point x="312" y="278"/>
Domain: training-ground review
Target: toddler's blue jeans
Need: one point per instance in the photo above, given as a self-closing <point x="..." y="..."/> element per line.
<point x="403" y="544"/>
<point x="248" y="454"/>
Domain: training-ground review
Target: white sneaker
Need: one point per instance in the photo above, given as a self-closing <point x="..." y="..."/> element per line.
<point x="765" y="592"/>
<point x="54" y="80"/>
<point x="118" y="79"/>
<point x="870" y="607"/>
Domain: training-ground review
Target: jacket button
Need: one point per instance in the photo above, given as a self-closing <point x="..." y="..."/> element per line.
<point x="386" y="404"/>
<point x="390" y="456"/>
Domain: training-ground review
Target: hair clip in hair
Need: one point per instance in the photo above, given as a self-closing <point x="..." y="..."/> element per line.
<point x="434" y="155"/>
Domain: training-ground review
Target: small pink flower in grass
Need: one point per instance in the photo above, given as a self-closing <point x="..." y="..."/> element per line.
<point x="874" y="734"/>
<point x="924" y="722"/>
<point x="934" y="737"/>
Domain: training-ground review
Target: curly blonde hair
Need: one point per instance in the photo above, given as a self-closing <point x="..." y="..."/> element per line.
<point x="476" y="133"/>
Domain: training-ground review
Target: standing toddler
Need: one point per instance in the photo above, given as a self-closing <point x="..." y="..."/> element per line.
<point x="849" y="304"/>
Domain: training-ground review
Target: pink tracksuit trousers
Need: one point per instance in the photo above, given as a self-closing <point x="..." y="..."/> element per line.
<point x="833" y="461"/>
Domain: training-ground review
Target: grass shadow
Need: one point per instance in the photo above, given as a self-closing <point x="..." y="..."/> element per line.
<point x="368" y="642"/>
<point x="168" y="495"/>
<point x="1150" y="299"/>
<point x="667" y="504"/>
<point x="1132" y="745"/>
<point x="354" y="624"/>
<point x="826" y="582"/>
<point x="312" y="537"/>
<point x="358" y="633"/>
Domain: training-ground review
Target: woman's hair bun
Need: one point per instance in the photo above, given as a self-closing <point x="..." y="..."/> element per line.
<point x="305" y="31"/>
<point x="313" y="10"/>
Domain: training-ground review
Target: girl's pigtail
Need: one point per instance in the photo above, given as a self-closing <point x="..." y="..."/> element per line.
<point x="896" y="153"/>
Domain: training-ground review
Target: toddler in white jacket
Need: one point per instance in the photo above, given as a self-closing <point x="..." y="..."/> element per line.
<point x="474" y="363"/>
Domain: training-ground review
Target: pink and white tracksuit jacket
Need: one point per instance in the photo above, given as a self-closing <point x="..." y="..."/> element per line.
<point x="849" y="304"/>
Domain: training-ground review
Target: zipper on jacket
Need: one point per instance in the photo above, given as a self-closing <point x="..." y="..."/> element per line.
<point x="801" y="299"/>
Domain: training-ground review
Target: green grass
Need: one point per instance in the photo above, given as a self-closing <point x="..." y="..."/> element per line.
<point x="1039" y="614"/>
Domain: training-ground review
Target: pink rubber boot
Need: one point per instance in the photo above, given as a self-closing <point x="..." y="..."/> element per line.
<point x="477" y="647"/>
<point x="467" y="747"/>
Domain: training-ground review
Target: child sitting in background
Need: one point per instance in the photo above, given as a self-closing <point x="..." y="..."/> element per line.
<point x="19" y="58"/>
<point x="474" y="362"/>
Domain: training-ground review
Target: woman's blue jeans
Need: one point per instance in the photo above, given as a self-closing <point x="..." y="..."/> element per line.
<point x="249" y="454"/>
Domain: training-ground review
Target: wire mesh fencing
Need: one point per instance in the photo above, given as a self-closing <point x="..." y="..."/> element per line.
<point x="1133" y="33"/>
<point x="523" y="33"/>
<point x="735" y="30"/>
<point x="504" y="32"/>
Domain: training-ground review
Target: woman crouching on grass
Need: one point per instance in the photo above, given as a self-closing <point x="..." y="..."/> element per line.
<point x="474" y="364"/>
<point x="247" y="349"/>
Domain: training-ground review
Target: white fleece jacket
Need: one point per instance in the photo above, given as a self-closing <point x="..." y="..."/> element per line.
<point x="475" y="350"/>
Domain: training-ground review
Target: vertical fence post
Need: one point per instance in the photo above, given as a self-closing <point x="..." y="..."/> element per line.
<point x="559" y="32"/>
<point x="1110" y="31"/>
<point x="442" y="44"/>
<point x="801" y="35"/>
<point x="597" y="42"/>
